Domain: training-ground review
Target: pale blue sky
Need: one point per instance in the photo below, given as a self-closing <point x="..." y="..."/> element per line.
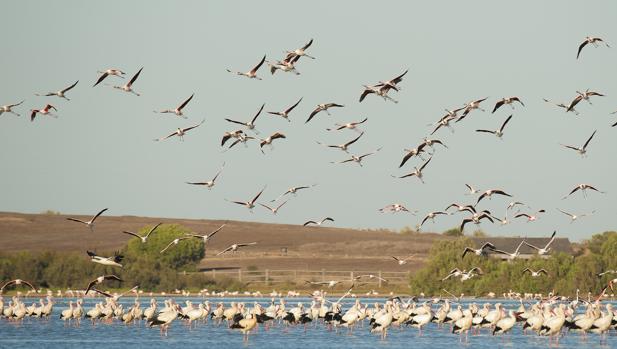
<point x="99" y="152"/>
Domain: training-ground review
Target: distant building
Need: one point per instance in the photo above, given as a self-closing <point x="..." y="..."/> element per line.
<point x="509" y="244"/>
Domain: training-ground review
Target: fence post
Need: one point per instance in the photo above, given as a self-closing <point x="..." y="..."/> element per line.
<point x="323" y="275"/>
<point x="267" y="283"/>
<point x="379" y="280"/>
<point x="295" y="275"/>
<point x="239" y="274"/>
<point x="214" y="273"/>
<point x="351" y="276"/>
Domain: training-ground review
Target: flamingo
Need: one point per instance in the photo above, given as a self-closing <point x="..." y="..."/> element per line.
<point x="499" y="132"/>
<point x="300" y="52"/>
<point x="90" y="223"/>
<point x="128" y="87"/>
<point x="209" y="184"/>
<point x="234" y="248"/>
<point x="143" y="239"/>
<point x="178" y="110"/>
<point x="250" y="124"/>
<point x="589" y="40"/>
<point x="509" y="101"/>
<point x="252" y="74"/>
<point x="285" y="113"/>
<point x="318" y="223"/>
<point x="45" y="111"/>
<point x="581" y="150"/>
<point x="108" y="72"/>
<point x="180" y="132"/>
<point x="8" y="108"/>
<point x="250" y="204"/>
<point x="323" y="107"/>
<point x="60" y="93"/>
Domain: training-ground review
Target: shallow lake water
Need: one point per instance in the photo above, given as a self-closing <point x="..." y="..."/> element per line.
<point x="54" y="333"/>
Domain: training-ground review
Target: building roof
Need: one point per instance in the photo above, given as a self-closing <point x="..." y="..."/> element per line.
<point x="509" y="244"/>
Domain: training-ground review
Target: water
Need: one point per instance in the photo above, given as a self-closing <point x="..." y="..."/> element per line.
<point x="54" y="333"/>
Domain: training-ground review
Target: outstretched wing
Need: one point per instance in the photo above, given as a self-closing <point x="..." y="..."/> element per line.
<point x="186" y="102"/>
<point x="70" y="87"/>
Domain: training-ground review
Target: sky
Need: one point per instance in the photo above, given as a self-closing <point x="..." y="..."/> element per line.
<point x="100" y="152"/>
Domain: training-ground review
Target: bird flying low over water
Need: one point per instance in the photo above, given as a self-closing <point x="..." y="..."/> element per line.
<point x="251" y="74"/>
<point x="17" y="282"/>
<point x="89" y="223"/>
<point x="100" y="279"/>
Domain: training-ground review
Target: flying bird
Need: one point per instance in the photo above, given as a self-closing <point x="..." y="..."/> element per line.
<point x="349" y="126"/>
<point x="274" y="210"/>
<point x="89" y="223"/>
<point x="480" y="251"/>
<point x="476" y="218"/>
<point x="45" y="111"/>
<point x="174" y="242"/>
<point x="582" y="96"/>
<point x="128" y="87"/>
<point x="411" y="153"/>
<point x="471" y="106"/>
<point x="178" y="110"/>
<point x="234" y="248"/>
<point x="330" y="283"/>
<point x="60" y="93"/>
<point x="462" y="208"/>
<point x="113" y="261"/>
<point x="323" y="107"/>
<point x="17" y="282"/>
<point x="285" y="113"/>
<point x="509" y="101"/>
<point x="252" y="74"/>
<point x="99" y="280"/>
<point x="206" y="238"/>
<point x="9" y="108"/>
<point x="446" y="119"/>
<point x="250" y="124"/>
<point x="431" y="216"/>
<point x="268" y="141"/>
<point x="180" y="132"/>
<point x="581" y="150"/>
<point x="530" y="216"/>
<point x="345" y="146"/>
<point x="250" y="204"/>
<point x="583" y="188"/>
<point x="391" y="84"/>
<point x="209" y="184"/>
<point x="514" y="254"/>
<point x="394" y="208"/>
<point x="402" y="261"/>
<point x="543" y="250"/>
<point x="379" y="91"/>
<point x="563" y="106"/>
<point x="356" y="158"/>
<point x="108" y="72"/>
<point x="589" y="40"/>
<point x="417" y="171"/>
<point x="318" y="223"/>
<point x="300" y="52"/>
<point x="499" y="132"/>
<point x="574" y="217"/>
<point x="144" y="239"/>
<point x="285" y="66"/>
<point x="293" y="190"/>
<point x="472" y="190"/>
<point x="534" y="273"/>
<point x="489" y="193"/>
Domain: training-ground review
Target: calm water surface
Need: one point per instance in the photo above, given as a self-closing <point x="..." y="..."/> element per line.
<point x="54" y="333"/>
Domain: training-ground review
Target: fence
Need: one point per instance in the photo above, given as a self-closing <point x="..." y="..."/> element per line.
<point x="268" y="276"/>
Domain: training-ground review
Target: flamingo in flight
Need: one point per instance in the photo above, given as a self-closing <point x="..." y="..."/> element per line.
<point x="509" y="101"/>
<point x="44" y="111"/>
<point x="250" y="124"/>
<point x="177" y="110"/>
<point x="323" y="107"/>
<point x="581" y="150"/>
<point x="108" y="72"/>
<point x="412" y="152"/>
<point x="294" y="191"/>
<point x="583" y="188"/>
<point x="589" y="40"/>
<point x="89" y="223"/>
<point x="489" y="193"/>
<point x="543" y="250"/>
<point x="144" y="238"/>
<point x="345" y="146"/>
<point x="357" y="158"/>
<point x="9" y="108"/>
<point x="480" y="251"/>
<point x="285" y="66"/>
<point x="128" y="87"/>
<point x="417" y="171"/>
<point x="318" y="223"/>
<point x="499" y="132"/>
<point x="563" y="106"/>
<point x="574" y="217"/>
<point x="209" y="184"/>
<point x="285" y="113"/>
<point x="349" y="126"/>
<point x="471" y="106"/>
<point x="583" y="96"/>
<point x="446" y="119"/>
<point x="60" y="93"/>
<point x="250" y="204"/>
<point x="431" y="216"/>
<point x="268" y="141"/>
<point x="300" y="52"/>
<point x="234" y="248"/>
<point x="252" y="74"/>
<point x="274" y="210"/>
<point x="180" y="132"/>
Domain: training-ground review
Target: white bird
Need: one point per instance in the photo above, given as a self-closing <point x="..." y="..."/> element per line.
<point x="234" y="248"/>
<point x="589" y="40"/>
<point x="563" y="106"/>
<point x="206" y="238"/>
<point x="499" y="132"/>
<point x="294" y="191"/>
<point x="431" y="216"/>
<point x="480" y="251"/>
<point x="471" y="106"/>
<point x="275" y="209"/>
<point x="318" y="223"/>
<point x="209" y="184"/>
<point x="583" y="188"/>
<point x="268" y="141"/>
<point x="180" y="132"/>
<point x="128" y="87"/>
<point x="250" y="204"/>
<point x="329" y="284"/>
<point x="581" y="150"/>
<point x="178" y="110"/>
<point x="323" y="107"/>
<point x="99" y="280"/>
<point x="417" y="171"/>
<point x="300" y="52"/>
<point x="574" y="217"/>
<point x="402" y="261"/>
<point x="345" y="146"/>
<point x="8" y="108"/>
<point x="143" y="238"/>
<point x="472" y="190"/>
<point x="89" y="223"/>
<point x="174" y="242"/>
<point x="516" y="252"/>
<point x="108" y="72"/>
<point x="285" y="113"/>
<point x="543" y="250"/>
<point x="394" y="208"/>
<point x="284" y="65"/>
<point x="534" y="273"/>
<point x="45" y="111"/>
<point x="505" y="324"/>
<point x="509" y="101"/>
<point x="249" y="124"/>
<point x="110" y="261"/>
<point x="530" y="217"/>
<point x="382" y="88"/>
<point x="582" y="96"/>
<point x="252" y="74"/>
<point x="17" y="282"/>
<point x="60" y="93"/>
<point x="356" y="158"/>
<point x="349" y="126"/>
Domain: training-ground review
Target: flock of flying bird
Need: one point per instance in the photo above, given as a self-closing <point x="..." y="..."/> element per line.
<point x="393" y="311"/>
